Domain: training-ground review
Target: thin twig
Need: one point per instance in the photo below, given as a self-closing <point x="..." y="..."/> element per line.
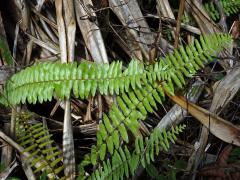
<point x="180" y="13"/>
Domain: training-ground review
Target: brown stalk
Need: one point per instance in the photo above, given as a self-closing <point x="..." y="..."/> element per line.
<point x="180" y="13"/>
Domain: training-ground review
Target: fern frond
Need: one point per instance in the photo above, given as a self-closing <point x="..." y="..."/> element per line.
<point x="123" y="163"/>
<point x="36" y="140"/>
<point x="123" y="117"/>
<point x="229" y="6"/>
<point x="137" y="86"/>
<point x="134" y="105"/>
<point x="42" y="80"/>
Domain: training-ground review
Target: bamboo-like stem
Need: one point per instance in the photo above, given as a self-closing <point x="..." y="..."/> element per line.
<point x="68" y="143"/>
<point x="61" y="30"/>
<point x="66" y="29"/>
<point x="70" y="23"/>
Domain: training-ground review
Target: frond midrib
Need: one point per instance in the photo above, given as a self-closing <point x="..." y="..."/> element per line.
<point x="63" y="80"/>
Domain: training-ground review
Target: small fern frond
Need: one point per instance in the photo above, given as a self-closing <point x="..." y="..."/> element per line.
<point x="36" y="140"/>
<point x="42" y="80"/>
<point x="123" y="163"/>
<point x="123" y="117"/>
<point x="229" y="6"/>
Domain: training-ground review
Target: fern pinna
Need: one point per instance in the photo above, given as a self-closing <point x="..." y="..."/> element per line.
<point x="139" y="88"/>
<point x="229" y="6"/>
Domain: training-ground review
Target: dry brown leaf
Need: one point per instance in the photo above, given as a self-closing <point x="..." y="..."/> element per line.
<point x="223" y="157"/>
<point x="235" y="29"/>
<point x="104" y="3"/>
<point x="230" y="171"/>
<point x="219" y="127"/>
<point x="222" y="170"/>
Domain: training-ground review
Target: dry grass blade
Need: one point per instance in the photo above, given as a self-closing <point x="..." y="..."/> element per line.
<point x="221" y="128"/>
<point x="88" y="25"/>
<point x="24" y="9"/>
<point x="165" y="9"/>
<point x="66" y="29"/>
<point x="226" y="89"/>
<point x="68" y="143"/>
<point x="180" y="13"/>
<point x="130" y="15"/>
<point x="70" y="23"/>
<point x="49" y="46"/>
<point x="176" y="114"/>
<point x="204" y="21"/>
<point x="61" y="30"/>
<point x="6" y="172"/>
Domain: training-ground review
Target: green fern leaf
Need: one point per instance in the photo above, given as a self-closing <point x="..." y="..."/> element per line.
<point x="39" y="82"/>
<point x="123" y="160"/>
<point x="116" y="139"/>
<point x="229" y="7"/>
<point x="123" y="132"/>
<point x="102" y="151"/>
<point x="136" y="103"/>
<point x="94" y="155"/>
<point x="36" y="140"/>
